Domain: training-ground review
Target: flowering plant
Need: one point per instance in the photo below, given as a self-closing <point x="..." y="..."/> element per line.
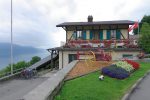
<point x="124" y="65"/>
<point x="115" y="72"/>
<point x="134" y="64"/>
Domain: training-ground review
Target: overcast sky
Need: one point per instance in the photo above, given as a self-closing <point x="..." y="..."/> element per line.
<point x="34" y="21"/>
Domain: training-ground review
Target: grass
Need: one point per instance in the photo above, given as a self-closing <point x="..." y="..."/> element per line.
<point x="90" y="87"/>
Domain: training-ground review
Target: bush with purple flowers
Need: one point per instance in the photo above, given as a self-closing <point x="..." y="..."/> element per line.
<point x="115" y="72"/>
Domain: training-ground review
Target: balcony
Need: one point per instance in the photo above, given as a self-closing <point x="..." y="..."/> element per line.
<point x="123" y="43"/>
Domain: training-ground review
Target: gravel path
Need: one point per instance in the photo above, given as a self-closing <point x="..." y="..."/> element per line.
<point x="81" y="68"/>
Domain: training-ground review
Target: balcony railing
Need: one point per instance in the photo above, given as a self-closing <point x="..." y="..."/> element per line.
<point x="123" y="43"/>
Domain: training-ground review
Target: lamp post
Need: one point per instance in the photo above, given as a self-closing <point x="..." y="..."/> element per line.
<point x="11" y="40"/>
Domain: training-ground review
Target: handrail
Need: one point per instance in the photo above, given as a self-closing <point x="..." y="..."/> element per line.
<point x="129" y="43"/>
<point x="9" y="73"/>
<point x="101" y="41"/>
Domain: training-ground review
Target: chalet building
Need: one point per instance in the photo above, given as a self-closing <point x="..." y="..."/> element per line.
<point x="98" y="37"/>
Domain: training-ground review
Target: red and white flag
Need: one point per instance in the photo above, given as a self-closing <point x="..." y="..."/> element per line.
<point x="135" y="25"/>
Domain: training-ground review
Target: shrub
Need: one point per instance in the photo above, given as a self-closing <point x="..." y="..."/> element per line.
<point x="134" y="64"/>
<point x="124" y="65"/>
<point x="115" y="72"/>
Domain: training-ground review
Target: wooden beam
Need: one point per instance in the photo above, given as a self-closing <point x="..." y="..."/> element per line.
<point x="64" y="28"/>
<point x="128" y="35"/>
<point x="76" y="33"/>
<point x="122" y="35"/>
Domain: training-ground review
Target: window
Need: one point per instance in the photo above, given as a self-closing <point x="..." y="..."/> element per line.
<point x="74" y="35"/>
<point x="129" y="56"/>
<point x="113" y="34"/>
<point x="79" y="34"/>
<point x="96" y="35"/>
<point x="72" y="57"/>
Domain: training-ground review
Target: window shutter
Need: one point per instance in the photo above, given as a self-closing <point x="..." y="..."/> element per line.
<point x="108" y="34"/>
<point x="101" y="34"/>
<point x="118" y="34"/>
<point x="91" y="35"/>
<point x="84" y="35"/>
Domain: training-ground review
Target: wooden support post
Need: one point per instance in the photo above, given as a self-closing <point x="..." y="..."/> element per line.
<point x="52" y="62"/>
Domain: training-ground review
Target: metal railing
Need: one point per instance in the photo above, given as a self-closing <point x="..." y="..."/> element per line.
<point x="9" y="73"/>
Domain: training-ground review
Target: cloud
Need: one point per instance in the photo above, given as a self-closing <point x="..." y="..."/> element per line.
<point x="34" y="21"/>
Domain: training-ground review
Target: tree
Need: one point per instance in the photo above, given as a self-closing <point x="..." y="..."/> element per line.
<point x="21" y="64"/>
<point x="34" y="60"/>
<point x="146" y="18"/>
<point x="144" y="40"/>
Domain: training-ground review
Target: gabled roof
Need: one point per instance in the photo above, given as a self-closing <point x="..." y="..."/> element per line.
<point x="127" y="22"/>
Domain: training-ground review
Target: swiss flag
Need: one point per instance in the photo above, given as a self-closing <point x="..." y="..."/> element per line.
<point x="135" y="25"/>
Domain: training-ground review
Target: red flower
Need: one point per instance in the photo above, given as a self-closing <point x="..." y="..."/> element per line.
<point x="134" y="64"/>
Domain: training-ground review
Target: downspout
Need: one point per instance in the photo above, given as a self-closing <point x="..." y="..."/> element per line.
<point x="66" y="36"/>
<point x="62" y="59"/>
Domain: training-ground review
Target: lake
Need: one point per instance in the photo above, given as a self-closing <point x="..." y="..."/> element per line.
<point x="5" y="60"/>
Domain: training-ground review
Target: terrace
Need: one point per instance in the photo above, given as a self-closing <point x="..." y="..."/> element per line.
<point x="106" y="44"/>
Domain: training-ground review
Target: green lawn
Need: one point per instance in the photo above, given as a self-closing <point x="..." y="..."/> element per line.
<point x="90" y="87"/>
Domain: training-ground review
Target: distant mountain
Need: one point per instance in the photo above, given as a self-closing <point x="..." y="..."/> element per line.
<point x="17" y="49"/>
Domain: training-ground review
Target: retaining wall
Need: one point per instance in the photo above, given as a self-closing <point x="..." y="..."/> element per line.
<point x="48" y="89"/>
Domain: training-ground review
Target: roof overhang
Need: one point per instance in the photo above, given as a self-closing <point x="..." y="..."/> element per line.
<point x="95" y="23"/>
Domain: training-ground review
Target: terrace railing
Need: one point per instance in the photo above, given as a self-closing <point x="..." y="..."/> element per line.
<point x="123" y="43"/>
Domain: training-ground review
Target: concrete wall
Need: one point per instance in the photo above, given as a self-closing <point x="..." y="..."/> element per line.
<point x="119" y="54"/>
<point x="104" y="34"/>
<point x="63" y="58"/>
<point x="87" y="34"/>
<point x="116" y="55"/>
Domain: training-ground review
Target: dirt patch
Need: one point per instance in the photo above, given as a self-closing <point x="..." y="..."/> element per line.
<point x="82" y="68"/>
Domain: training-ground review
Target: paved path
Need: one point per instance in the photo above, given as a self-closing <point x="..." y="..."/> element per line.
<point x="142" y="92"/>
<point x="17" y="88"/>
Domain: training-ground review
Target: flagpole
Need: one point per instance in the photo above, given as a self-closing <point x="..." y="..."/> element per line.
<point x="11" y="40"/>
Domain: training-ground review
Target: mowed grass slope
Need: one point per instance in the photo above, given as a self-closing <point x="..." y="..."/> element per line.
<point x="90" y="87"/>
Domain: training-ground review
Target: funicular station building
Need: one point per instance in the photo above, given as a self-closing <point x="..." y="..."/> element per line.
<point x="107" y="40"/>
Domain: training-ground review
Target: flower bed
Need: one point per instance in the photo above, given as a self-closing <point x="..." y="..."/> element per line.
<point x="123" y="64"/>
<point x="135" y="65"/>
<point x="115" y="72"/>
<point x="120" y="69"/>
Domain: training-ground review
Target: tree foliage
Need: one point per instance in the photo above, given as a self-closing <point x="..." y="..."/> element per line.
<point x="144" y="40"/>
<point x="146" y="18"/>
<point x="34" y="60"/>
<point x="19" y="65"/>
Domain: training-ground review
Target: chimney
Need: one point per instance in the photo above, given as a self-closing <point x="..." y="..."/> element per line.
<point x="90" y="18"/>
